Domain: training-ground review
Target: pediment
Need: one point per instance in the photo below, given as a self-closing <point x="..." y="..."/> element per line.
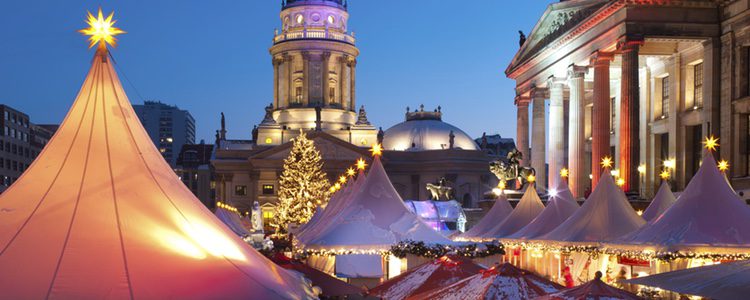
<point x="330" y="147"/>
<point x="558" y="19"/>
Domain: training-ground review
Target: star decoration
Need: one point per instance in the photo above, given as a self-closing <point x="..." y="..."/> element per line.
<point x="620" y="182"/>
<point x="377" y="150"/>
<point x="350" y="172"/>
<point x="607" y="162"/>
<point x="664" y="175"/>
<point x="342" y="179"/>
<point x="531" y="178"/>
<point x="710" y="143"/>
<point x="361" y="164"/>
<point x="564" y="172"/>
<point x="101" y="31"/>
<point x="501" y="185"/>
<point x="723" y="165"/>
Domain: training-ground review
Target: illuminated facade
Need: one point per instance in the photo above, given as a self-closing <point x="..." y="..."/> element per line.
<point x="640" y="81"/>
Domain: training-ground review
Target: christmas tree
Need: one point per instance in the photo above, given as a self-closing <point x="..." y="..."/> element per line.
<point x="303" y="185"/>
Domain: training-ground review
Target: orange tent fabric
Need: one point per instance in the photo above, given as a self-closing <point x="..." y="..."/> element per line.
<point x="101" y="215"/>
<point x="427" y="277"/>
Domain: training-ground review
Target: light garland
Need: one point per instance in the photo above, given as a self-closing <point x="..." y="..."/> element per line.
<point x="421" y="249"/>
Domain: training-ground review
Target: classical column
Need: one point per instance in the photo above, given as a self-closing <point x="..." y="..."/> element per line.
<point x="276" y="62"/>
<point x="353" y="90"/>
<point x="522" y="130"/>
<point x="556" y="129"/>
<point x="538" y="147"/>
<point x="326" y="59"/>
<point x="305" y="78"/>
<point x="289" y="68"/>
<point x="600" y="114"/>
<point x="629" y="115"/>
<point x="576" y="131"/>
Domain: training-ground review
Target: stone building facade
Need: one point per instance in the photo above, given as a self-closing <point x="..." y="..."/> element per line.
<point x="640" y="81"/>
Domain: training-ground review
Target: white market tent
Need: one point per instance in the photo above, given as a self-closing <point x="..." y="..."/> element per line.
<point x="723" y="281"/>
<point x="375" y="218"/>
<point x="526" y="210"/>
<point x="232" y="219"/>
<point x="100" y="214"/>
<point x="707" y="216"/>
<point x="560" y="206"/>
<point x="499" y="211"/>
<point x="604" y="216"/>
<point x="661" y="202"/>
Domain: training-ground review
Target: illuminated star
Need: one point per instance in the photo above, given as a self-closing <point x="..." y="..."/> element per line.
<point x="101" y="31"/>
<point x="531" y="178"/>
<point x="501" y="185"/>
<point x="620" y="182"/>
<point x="350" y="172"/>
<point x="710" y="143"/>
<point x="665" y="174"/>
<point x="564" y="173"/>
<point x="607" y="162"/>
<point x="723" y="165"/>
<point x="337" y="186"/>
<point x="377" y="150"/>
<point x="361" y="164"/>
<point x="342" y="179"/>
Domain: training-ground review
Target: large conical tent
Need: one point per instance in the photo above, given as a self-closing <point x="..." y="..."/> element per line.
<point x="499" y="211"/>
<point x="605" y="215"/>
<point x="426" y="277"/>
<point x="374" y="219"/>
<point x="101" y="215"/>
<point x="560" y="206"/>
<point x="708" y="214"/>
<point x="339" y="201"/>
<point x="661" y="202"/>
<point x="230" y="217"/>
<point x="526" y="210"/>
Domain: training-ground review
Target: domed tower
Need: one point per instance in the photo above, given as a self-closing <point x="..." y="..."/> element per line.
<point x="314" y="62"/>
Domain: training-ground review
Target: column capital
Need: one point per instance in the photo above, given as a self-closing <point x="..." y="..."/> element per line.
<point x="577" y="71"/>
<point x="629" y="43"/>
<point x="522" y="101"/>
<point x="601" y="58"/>
<point x="306" y="54"/>
<point x="326" y="55"/>
<point x="556" y="82"/>
<point x="538" y="93"/>
<point x="277" y="60"/>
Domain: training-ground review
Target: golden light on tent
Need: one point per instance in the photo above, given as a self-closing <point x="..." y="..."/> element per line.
<point x="710" y="143"/>
<point x="342" y="179"/>
<point x="337" y="186"/>
<point x="361" y="164"/>
<point x="723" y="165"/>
<point x="377" y="150"/>
<point x="642" y="169"/>
<point x="564" y="173"/>
<point x="350" y="172"/>
<point x="531" y="178"/>
<point x="101" y="30"/>
<point x="664" y="175"/>
<point x="332" y="189"/>
<point x="607" y="162"/>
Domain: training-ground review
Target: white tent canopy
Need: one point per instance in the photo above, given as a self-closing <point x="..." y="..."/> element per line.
<point x="560" y="206"/>
<point x="723" y="281"/>
<point x="499" y="211"/>
<point x="661" y="202"/>
<point x="375" y="218"/>
<point x="100" y="214"/>
<point x="338" y="202"/>
<point x="526" y="210"/>
<point x="707" y="214"/>
<point x="605" y="215"/>
<point x="232" y="219"/>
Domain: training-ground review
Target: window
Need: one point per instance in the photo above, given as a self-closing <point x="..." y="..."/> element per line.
<point x="612" y="115"/>
<point x="698" y="86"/>
<point x="332" y="94"/>
<point x="298" y="94"/>
<point x="267" y="215"/>
<point x="269" y="140"/>
<point x="268" y="189"/>
<point x="331" y="20"/>
<point x="664" y="97"/>
<point x="240" y="190"/>
<point x="300" y="18"/>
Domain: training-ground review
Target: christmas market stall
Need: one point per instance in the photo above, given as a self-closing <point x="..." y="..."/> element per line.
<point x="594" y="289"/>
<point x="499" y="282"/>
<point x="429" y="276"/>
<point x="101" y="215"/>
<point x="526" y="210"/>
<point x="500" y="210"/>
<point x="661" y="202"/>
<point x="729" y="280"/>
<point x="330" y="286"/>
<point x="230" y="216"/>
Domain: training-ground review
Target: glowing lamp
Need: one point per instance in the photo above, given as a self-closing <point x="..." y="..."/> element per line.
<point x="497" y="191"/>
<point x="552" y="193"/>
<point x="101" y="30"/>
<point x="639" y="212"/>
<point x="615" y="173"/>
<point x="642" y="169"/>
<point x="501" y="184"/>
<point x="670" y="163"/>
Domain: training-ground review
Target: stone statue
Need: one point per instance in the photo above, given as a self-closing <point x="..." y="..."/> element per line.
<point x="484" y="141"/>
<point x="451" y="140"/>
<point x="218" y="138"/>
<point x="257" y="217"/>
<point x="381" y="135"/>
<point x="521" y="38"/>
<point x="512" y="170"/>
<point x="223" y="131"/>
<point x="268" y="118"/>
<point x="255" y="133"/>
<point x="440" y="191"/>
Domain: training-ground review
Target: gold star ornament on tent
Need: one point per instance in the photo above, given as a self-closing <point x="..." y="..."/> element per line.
<point x="607" y="162"/>
<point x="101" y="30"/>
<point x="710" y="143"/>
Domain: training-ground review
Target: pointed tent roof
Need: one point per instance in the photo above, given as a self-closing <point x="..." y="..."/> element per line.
<point x="429" y="276"/>
<point x="100" y="214"/>
<point x="560" y="206"/>
<point x="526" y="210"/>
<point x="499" y="211"/>
<point x="338" y="202"/>
<point x="500" y="282"/>
<point x="708" y="213"/>
<point x="232" y="220"/>
<point x="661" y="202"/>
<point x="605" y="215"/>
<point x="374" y="219"/>
<point x="723" y="281"/>
<point x="594" y="289"/>
<point x="330" y="286"/>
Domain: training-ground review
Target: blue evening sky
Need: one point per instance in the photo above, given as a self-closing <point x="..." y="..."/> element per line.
<point x="212" y="56"/>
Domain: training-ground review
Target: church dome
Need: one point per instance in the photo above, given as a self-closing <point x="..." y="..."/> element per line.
<point x="335" y="3"/>
<point x="425" y="130"/>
